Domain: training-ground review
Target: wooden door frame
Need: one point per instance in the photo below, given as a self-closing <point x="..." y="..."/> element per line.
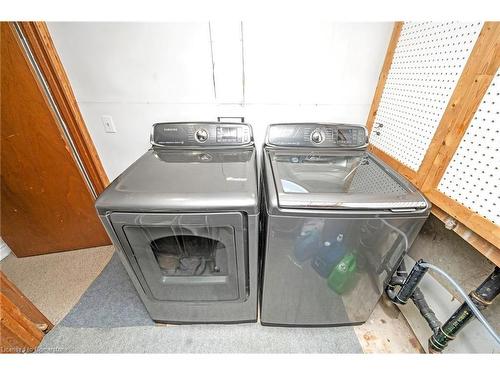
<point x="22" y="325"/>
<point x="472" y="85"/>
<point x="38" y="38"/>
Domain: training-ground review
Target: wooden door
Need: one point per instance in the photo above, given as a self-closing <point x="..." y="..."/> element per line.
<point x="46" y="205"/>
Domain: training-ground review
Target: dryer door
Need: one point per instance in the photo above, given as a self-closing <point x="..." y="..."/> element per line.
<point x="186" y="257"/>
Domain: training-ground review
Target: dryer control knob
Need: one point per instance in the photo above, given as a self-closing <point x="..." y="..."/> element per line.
<point x="317" y="136"/>
<point x="201" y="135"/>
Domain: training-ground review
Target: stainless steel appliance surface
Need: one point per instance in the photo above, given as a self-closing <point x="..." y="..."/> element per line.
<point x="184" y="220"/>
<point x="336" y="223"/>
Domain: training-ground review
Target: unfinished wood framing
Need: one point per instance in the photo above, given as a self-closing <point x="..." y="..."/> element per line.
<point x="474" y="81"/>
<point x="484" y="247"/>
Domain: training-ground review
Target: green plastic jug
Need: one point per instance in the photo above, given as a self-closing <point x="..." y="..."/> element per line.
<point x="343" y="274"/>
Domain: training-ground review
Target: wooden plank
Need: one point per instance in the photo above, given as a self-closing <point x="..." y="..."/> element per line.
<point x="15" y="316"/>
<point x="475" y="222"/>
<point x="476" y="77"/>
<point x="45" y="204"/>
<point x="10" y="343"/>
<point x="484" y="247"/>
<point x="20" y="321"/>
<point x="396" y="31"/>
<point x="12" y="320"/>
<point x="44" y="51"/>
<point x="24" y="304"/>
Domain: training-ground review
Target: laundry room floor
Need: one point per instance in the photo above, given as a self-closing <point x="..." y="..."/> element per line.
<point x="56" y="282"/>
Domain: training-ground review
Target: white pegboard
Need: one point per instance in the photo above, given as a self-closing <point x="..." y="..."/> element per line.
<point x="472" y="178"/>
<point x="427" y="63"/>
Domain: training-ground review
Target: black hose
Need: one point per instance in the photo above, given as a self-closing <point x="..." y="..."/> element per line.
<point x="418" y="299"/>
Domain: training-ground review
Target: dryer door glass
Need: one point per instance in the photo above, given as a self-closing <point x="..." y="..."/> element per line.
<point x="188" y="257"/>
<point x="183" y="253"/>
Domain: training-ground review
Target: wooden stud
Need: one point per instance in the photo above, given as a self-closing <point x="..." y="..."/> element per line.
<point x="476" y="77"/>
<point x="391" y="48"/>
<point x="483" y="227"/>
<point x="484" y="247"/>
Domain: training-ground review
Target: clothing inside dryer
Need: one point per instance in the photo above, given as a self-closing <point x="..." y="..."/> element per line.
<point x="191" y="254"/>
<point x="189" y="261"/>
<point x="188" y="255"/>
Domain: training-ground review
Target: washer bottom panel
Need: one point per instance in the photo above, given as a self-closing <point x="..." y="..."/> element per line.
<point x="330" y="271"/>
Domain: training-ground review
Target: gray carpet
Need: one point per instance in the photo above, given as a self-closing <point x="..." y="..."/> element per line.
<point x="110" y="318"/>
<point x="111" y="301"/>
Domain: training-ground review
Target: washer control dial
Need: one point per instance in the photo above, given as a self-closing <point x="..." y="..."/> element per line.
<point x="317" y="136"/>
<point x="201" y="135"/>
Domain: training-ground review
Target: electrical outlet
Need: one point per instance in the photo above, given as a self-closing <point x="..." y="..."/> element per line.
<point x="109" y="125"/>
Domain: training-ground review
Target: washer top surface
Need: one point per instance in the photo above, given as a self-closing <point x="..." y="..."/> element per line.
<point x="322" y="179"/>
<point x="355" y="180"/>
<point x="186" y="179"/>
<point x="326" y="166"/>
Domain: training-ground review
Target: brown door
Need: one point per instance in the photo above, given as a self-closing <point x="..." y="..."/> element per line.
<point x="46" y="205"/>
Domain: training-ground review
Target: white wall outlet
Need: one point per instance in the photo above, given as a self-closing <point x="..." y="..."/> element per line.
<point x="109" y="125"/>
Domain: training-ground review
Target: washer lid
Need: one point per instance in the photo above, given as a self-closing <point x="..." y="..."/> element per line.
<point x="333" y="180"/>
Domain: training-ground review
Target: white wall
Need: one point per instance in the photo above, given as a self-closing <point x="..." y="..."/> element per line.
<point x="145" y="73"/>
<point x="4" y="249"/>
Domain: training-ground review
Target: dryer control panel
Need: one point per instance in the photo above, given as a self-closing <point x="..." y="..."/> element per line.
<point x="207" y="134"/>
<point x="327" y="135"/>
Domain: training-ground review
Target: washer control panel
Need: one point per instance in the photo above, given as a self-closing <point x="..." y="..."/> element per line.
<point x="317" y="135"/>
<point x="201" y="134"/>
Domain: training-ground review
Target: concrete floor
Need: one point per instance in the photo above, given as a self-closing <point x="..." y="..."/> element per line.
<point x="447" y="250"/>
<point x="55" y="282"/>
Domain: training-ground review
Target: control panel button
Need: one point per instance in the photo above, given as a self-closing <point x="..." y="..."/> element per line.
<point x="317" y="136"/>
<point x="201" y="135"/>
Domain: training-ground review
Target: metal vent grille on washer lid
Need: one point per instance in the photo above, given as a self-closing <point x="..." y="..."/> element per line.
<point x="370" y="179"/>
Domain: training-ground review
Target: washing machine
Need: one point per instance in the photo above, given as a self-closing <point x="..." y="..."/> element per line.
<point x="184" y="219"/>
<point x="336" y="223"/>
